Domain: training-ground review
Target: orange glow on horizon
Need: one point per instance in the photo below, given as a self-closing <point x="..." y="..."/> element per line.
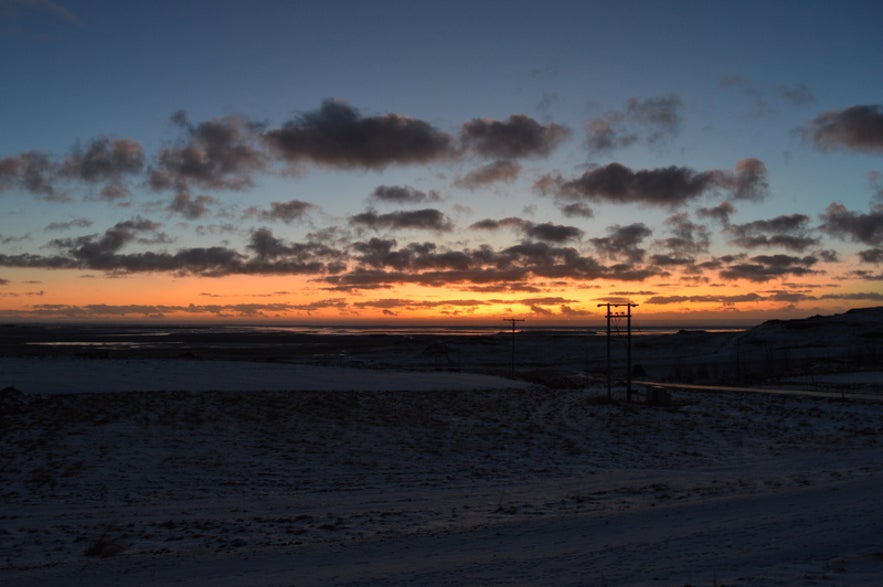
<point x="68" y="295"/>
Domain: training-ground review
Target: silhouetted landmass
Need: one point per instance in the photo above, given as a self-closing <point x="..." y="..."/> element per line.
<point x="773" y="350"/>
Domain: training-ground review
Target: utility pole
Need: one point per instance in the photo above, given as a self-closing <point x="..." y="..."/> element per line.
<point x="611" y="315"/>
<point x="513" y="321"/>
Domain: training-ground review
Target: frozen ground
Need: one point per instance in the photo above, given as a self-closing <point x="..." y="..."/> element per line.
<point x="524" y="485"/>
<point x="52" y="375"/>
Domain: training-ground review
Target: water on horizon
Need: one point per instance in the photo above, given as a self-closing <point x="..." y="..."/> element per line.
<point x="118" y="336"/>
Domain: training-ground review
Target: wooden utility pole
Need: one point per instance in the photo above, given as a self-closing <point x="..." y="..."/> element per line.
<point x="610" y="317"/>
<point x="513" y="321"/>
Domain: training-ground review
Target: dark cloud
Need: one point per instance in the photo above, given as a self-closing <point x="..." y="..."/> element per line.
<point x="874" y="256"/>
<point x="218" y="154"/>
<point x="767" y="267"/>
<point x="491" y="224"/>
<point x="664" y="260"/>
<point x="668" y="186"/>
<point x="273" y="255"/>
<point x="653" y="120"/>
<point x="660" y="115"/>
<point x="699" y="299"/>
<point x="104" y="160"/>
<point x="720" y="213"/>
<point x="279" y="309"/>
<point x="287" y="212"/>
<point x="519" y="136"/>
<point x="604" y="135"/>
<point x="270" y="255"/>
<point x="381" y="264"/>
<point x="113" y="239"/>
<point x="545" y="231"/>
<point x="555" y="233"/>
<point x="503" y="170"/>
<point x="866" y="275"/>
<point x="577" y="210"/>
<point x="426" y="219"/>
<point x="372" y="264"/>
<point x="671" y="186"/>
<point x="827" y="255"/>
<point x="189" y="207"/>
<point x="786" y="231"/>
<point x="859" y="128"/>
<point x="623" y="242"/>
<point x="338" y="135"/>
<point x="381" y="253"/>
<point x="33" y="172"/>
<point x="403" y="195"/>
<point x="76" y="223"/>
<point x="114" y="192"/>
<point x="7" y="240"/>
<point x="845" y="224"/>
<point x="875" y="178"/>
<point x="688" y="238"/>
<point x="747" y="182"/>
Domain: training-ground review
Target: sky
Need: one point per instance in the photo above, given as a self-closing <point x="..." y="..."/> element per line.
<point x="456" y="162"/>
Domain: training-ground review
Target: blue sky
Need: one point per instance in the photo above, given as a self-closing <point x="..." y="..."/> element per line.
<point x="686" y="89"/>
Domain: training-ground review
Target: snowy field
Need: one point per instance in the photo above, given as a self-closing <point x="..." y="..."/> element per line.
<point x="213" y="473"/>
<point x="52" y="375"/>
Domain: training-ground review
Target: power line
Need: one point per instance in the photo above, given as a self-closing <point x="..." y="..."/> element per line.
<point x="513" y="321"/>
<point x="611" y="315"/>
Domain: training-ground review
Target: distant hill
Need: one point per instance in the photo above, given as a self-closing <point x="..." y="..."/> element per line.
<point x="852" y="341"/>
<point x="852" y="327"/>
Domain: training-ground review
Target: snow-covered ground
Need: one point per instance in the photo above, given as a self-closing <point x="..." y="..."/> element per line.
<point x="212" y="473"/>
<point x="48" y="375"/>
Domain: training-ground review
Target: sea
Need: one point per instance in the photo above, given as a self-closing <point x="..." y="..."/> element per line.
<point x="118" y="336"/>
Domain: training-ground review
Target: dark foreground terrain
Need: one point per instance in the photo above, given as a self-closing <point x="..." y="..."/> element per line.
<point x="772" y="351"/>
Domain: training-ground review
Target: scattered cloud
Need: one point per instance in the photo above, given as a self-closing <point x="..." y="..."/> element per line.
<point x="661" y="116"/>
<point x="787" y="231"/>
<point x="874" y="256"/>
<point x="219" y="154"/>
<point x="546" y="231"/>
<point x="6" y="240"/>
<point x="519" y="136"/>
<point x="858" y="128"/>
<point x="653" y="120"/>
<point x="688" y="238"/>
<point x="845" y="224"/>
<point x="577" y="210"/>
<point x="104" y="160"/>
<point x="503" y="170"/>
<point x="797" y="95"/>
<point x="715" y="299"/>
<point x="768" y="267"/>
<point x="623" y="242"/>
<point x="426" y="219"/>
<point x="668" y="186"/>
<point x="338" y="135"/>
<point x="33" y="172"/>
<point x="403" y="195"/>
<point x="189" y="207"/>
<point x="721" y="213"/>
<point x="75" y="223"/>
<point x="287" y="212"/>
